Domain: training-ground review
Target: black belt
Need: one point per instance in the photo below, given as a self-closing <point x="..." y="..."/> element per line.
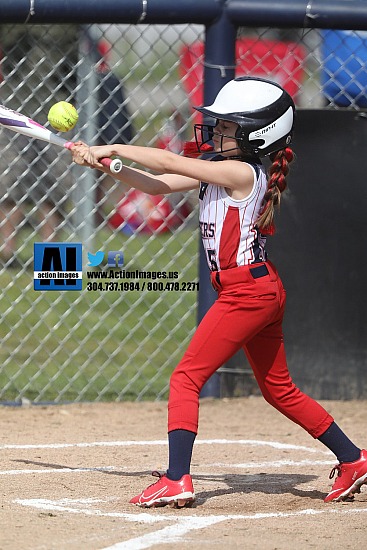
<point x="260" y="271"/>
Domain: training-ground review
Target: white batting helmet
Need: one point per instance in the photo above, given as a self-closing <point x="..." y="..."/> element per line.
<point x="263" y="110"/>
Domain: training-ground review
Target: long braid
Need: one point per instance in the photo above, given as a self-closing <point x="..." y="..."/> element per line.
<point x="277" y="183"/>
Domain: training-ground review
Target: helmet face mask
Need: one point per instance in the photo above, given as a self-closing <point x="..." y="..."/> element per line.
<point x="204" y="134"/>
<point x="263" y="110"/>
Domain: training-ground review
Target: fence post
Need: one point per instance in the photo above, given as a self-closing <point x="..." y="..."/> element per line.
<point x="219" y="68"/>
<point x="85" y="191"/>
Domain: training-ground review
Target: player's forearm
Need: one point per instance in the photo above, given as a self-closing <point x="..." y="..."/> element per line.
<point x="159" y="160"/>
<point x="143" y="181"/>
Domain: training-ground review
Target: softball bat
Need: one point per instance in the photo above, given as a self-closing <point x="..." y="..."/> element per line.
<point x="17" y="122"/>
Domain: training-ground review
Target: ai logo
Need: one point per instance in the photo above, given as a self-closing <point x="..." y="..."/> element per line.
<point x="58" y="266"/>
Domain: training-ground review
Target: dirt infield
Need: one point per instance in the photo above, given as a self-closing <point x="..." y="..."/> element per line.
<point x="67" y="473"/>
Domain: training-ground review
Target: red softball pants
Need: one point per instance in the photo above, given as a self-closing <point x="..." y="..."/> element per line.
<point x="248" y="314"/>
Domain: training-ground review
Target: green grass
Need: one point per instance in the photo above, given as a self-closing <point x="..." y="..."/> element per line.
<point x="67" y="346"/>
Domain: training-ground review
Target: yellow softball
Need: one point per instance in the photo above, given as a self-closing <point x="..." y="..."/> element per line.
<point x="63" y="116"/>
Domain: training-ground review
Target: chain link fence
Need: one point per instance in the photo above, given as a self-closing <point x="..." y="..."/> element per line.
<point x="133" y="84"/>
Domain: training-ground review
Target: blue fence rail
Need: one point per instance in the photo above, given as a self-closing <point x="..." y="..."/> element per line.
<point x="339" y="14"/>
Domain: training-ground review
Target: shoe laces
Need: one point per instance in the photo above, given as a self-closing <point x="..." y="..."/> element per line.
<point x="155" y="473"/>
<point x="337" y="468"/>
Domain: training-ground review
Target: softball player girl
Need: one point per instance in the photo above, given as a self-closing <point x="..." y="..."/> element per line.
<point x="254" y="119"/>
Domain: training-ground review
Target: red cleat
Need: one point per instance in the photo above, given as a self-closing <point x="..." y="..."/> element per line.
<point x="165" y="491"/>
<point x="350" y="477"/>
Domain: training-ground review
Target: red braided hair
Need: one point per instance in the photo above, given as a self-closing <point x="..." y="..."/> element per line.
<point x="277" y="183"/>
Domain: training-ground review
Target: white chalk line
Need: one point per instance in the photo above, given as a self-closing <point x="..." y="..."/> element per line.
<point x="273" y="464"/>
<point x="182" y="526"/>
<point x="175" y="533"/>
<point x="171" y="533"/>
<point x="245" y="466"/>
<point x="56" y="471"/>
<point x="248" y="442"/>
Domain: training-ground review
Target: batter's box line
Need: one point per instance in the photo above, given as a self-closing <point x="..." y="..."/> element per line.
<point x="101" y="469"/>
<point x="28" y="471"/>
<point x="172" y="533"/>
<point x="248" y="442"/>
<point x="273" y="464"/>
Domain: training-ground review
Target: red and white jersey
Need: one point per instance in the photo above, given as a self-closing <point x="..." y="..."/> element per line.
<point x="228" y="227"/>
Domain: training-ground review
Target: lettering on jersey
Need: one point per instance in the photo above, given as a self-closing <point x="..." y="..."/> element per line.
<point x="207" y="230"/>
<point x="203" y="187"/>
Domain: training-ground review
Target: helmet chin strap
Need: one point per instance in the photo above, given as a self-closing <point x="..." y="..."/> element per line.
<point x="243" y="156"/>
<point x="208" y="142"/>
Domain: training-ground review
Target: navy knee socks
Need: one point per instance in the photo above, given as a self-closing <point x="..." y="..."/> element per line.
<point x="343" y="448"/>
<point x="180" y="444"/>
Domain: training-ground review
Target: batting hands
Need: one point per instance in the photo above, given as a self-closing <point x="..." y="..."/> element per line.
<point x="89" y="156"/>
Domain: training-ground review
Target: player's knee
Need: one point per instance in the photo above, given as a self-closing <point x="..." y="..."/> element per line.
<point x="280" y="396"/>
<point x="182" y="380"/>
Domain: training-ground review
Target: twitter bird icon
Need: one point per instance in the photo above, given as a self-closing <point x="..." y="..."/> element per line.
<point x="95" y="259"/>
